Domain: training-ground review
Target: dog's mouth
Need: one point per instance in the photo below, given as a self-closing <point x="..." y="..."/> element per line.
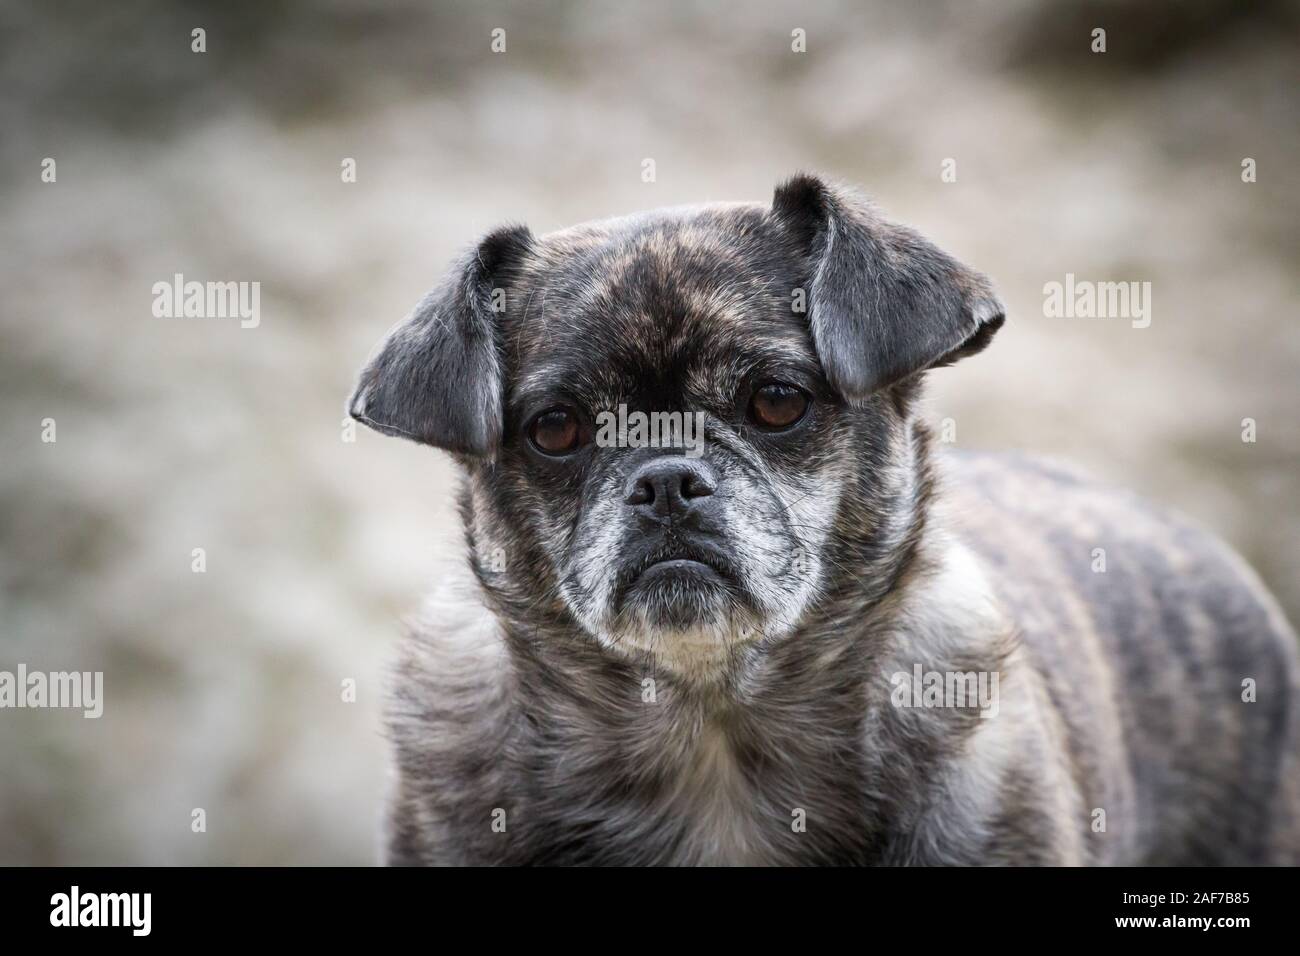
<point x="678" y="579"/>
<point x="687" y="558"/>
<point x="686" y="569"/>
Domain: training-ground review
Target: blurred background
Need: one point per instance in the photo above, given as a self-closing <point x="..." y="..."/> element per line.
<point x="223" y="688"/>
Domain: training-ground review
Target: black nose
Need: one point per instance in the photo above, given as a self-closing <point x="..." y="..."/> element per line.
<point x="669" y="485"/>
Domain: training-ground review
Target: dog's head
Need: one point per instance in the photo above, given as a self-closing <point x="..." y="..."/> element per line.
<point x="682" y="429"/>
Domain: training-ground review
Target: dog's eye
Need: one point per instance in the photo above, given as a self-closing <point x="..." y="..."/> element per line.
<point x="777" y="406"/>
<point x="555" y="432"/>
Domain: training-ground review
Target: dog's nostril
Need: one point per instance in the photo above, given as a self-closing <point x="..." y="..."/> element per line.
<point x="696" y="486"/>
<point x="641" y="493"/>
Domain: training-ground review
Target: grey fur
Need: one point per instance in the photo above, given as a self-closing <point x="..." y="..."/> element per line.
<point x="845" y="556"/>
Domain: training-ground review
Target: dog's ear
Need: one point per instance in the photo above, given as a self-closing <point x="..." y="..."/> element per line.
<point x="436" y="378"/>
<point x="883" y="302"/>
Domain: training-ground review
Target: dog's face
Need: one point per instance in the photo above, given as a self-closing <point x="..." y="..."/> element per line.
<point x="680" y="429"/>
<point x="672" y="331"/>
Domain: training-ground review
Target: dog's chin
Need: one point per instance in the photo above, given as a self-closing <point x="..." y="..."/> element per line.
<point x="686" y="615"/>
<point x="678" y="595"/>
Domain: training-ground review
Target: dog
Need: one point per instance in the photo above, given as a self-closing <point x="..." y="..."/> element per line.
<point x="814" y="641"/>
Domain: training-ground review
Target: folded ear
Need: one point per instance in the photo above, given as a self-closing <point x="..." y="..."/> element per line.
<point x="436" y="378"/>
<point x="884" y="303"/>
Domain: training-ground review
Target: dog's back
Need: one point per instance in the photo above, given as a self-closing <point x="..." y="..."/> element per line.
<point x="1173" y="671"/>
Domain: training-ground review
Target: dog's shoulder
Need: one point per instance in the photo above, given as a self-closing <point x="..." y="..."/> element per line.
<point x="449" y="712"/>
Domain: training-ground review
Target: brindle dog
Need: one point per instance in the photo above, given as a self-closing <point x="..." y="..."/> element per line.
<point x="813" y="643"/>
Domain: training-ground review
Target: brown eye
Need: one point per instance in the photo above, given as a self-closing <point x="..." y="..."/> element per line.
<point x="777" y="406"/>
<point x="555" y="432"/>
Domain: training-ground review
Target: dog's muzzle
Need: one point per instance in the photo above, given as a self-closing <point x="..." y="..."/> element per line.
<point x="676" y="568"/>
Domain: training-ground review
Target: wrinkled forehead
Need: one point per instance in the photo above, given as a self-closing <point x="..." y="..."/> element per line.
<point x="681" y="302"/>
